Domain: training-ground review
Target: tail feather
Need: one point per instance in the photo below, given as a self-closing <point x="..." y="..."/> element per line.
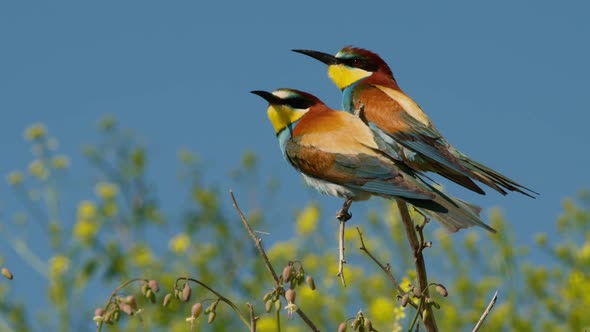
<point x="496" y="180"/>
<point x="459" y="178"/>
<point x="460" y="214"/>
<point x="491" y="178"/>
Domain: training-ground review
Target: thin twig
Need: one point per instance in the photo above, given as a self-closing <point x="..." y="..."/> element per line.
<point x="341" y="260"/>
<point x="252" y="317"/>
<point x="486" y="312"/>
<point x="257" y="242"/>
<point x="420" y="230"/>
<point x="429" y="321"/>
<point x="385" y="268"/>
<point x="219" y="297"/>
<point x="113" y="294"/>
<point x="415" y="321"/>
<point x="343" y="216"/>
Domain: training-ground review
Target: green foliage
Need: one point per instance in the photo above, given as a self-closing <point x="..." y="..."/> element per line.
<point x="94" y="244"/>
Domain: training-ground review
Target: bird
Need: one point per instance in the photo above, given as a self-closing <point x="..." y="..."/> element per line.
<point x="370" y="91"/>
<point x="339" y="155"/>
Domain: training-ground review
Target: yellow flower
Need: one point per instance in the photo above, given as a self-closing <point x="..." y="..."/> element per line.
<point x="85" y="230"/>
<point x="86" y="210"/>
<point x="312" y="262"/>
<point x="14" y="178"/>
<point x="405" y="284"/>
<point x="186" y="156"/>
<point x="282" y="251"/>
<point x="380" y="310"/>
<point x="399" y="313"/>
<point x="266" y="324"/>
<point x="307" y="220"/>
<point x="306" y="295"/>
<point x="584" y="252"/>
<point x="106" y="190"/>
<point x="37" y="169"/>
<point x="541" y="239"/>
<point x="60" y="162"/>
<point x="35" y="131"/>
<point x="58" y="265"/>
<point x="179" y="244"/>
<point x="110" y="209"/>
<point x="471" y="240"/>
<point x="350" y="233"/>
<point x="142" y="255"/>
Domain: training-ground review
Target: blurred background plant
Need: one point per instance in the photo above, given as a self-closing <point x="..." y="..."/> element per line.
<point x="76" y="251"/>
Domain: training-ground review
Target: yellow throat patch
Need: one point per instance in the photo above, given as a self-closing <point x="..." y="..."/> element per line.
<point x="281" y="116"/>
<point x="344" y="76"/>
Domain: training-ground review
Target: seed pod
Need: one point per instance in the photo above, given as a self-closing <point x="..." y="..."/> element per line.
<point x="151" y="296"/>
<point x="442" y="290"/>
<point x="300" y="276"/>
<point x="196" y="309"/>
<point x="126" y="308"/>
<point x="99" y="312"/>
<point x="153" y="284"/>
<point x="290" y="295"/>
<point x="268" y="305"/>
<point x="178" y="294"/>
<point x="144" y="288"/>
<point x="211" y="317"/>
<point x="7" y="274"/>
<point x="287" y="271"/>
<point x="267" y="296"/>
<point x="108" y="317"/>
<point x="435" y="304"/>
<point x="310" y="282"/>
<point x="278" y="304"/>
<point x="405" y="299"/>
<point x="368" y="324"/>
<point x="186" y="293"/>
<point x="342" y="327"/>
<point x="130" y="300"/>
<point x="167" y="299"/>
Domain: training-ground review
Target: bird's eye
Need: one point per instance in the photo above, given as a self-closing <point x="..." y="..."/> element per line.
<point x="356" y="62"/>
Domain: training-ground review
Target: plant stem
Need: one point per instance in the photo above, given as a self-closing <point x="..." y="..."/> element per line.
<point x="429" y="321"/>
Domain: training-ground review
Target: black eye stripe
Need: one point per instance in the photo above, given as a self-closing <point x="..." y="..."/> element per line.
<point x="298" y="103"/>
<point x="360" y="63"/>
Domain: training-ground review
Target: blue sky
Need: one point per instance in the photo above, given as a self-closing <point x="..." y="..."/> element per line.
<point x="506" y="82"/>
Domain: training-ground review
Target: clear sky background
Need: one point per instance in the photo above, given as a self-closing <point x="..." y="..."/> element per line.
<point x="505" y="81"/>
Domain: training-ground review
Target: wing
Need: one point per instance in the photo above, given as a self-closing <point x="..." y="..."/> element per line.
<point x="403" y="120"/>
<point x="363" y="171"/>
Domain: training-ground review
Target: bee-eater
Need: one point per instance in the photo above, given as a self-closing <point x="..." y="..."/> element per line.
<point x="371" y="92"/>
<point x="338" y="155"/>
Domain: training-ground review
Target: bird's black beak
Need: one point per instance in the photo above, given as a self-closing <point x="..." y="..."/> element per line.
<point x="323" y="57"/>
<point x="272" y="99"/>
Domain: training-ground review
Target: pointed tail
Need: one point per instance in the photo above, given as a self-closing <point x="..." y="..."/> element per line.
<point x="492" y="178"/>
<point x="460" y="214"/>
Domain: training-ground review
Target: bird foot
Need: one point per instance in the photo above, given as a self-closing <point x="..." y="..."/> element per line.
<point x="343" y="215"/>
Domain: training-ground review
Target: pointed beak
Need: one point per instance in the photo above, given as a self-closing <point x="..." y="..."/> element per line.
<point x="272" y="99"/>
<point x="323" y="57"/>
